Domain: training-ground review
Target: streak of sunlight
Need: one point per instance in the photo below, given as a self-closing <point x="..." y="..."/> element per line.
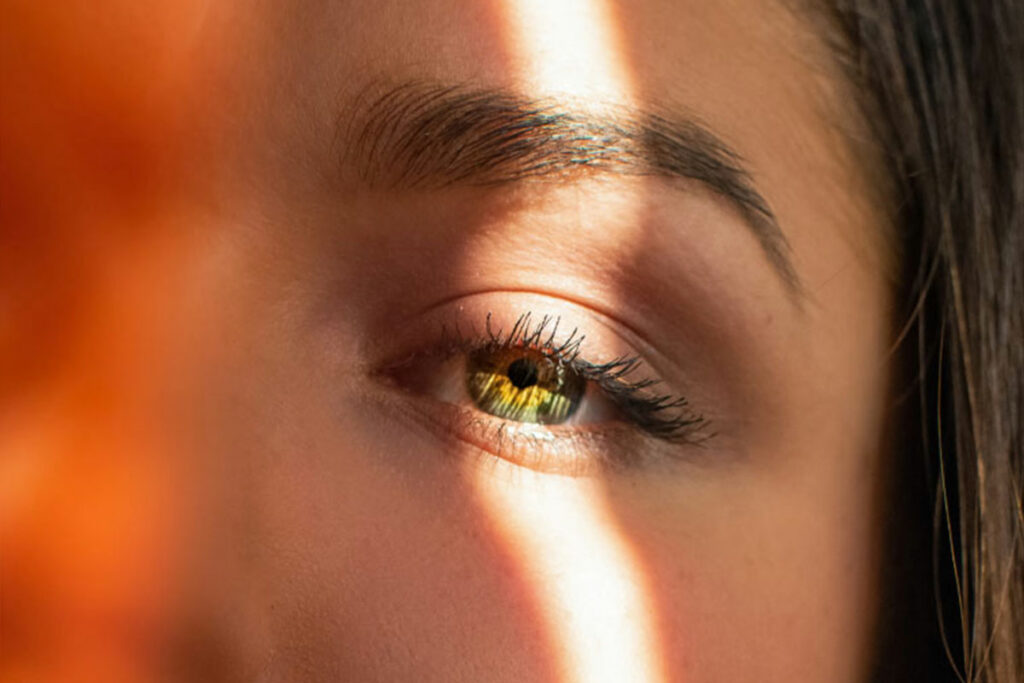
<point x="570" y="47"/>
<point x="589" y="583"/>
<point x="587" y="580"/>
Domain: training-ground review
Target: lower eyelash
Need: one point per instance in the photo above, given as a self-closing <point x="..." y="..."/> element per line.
<point x="663" y="416"/>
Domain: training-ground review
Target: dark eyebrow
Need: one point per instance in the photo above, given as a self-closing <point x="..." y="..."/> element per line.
<point x="432" y="136"/>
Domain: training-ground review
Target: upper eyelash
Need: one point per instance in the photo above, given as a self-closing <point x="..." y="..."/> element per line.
<point x="663" y="416"/>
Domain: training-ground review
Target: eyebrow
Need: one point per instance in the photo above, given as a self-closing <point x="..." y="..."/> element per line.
<point x="434" y="136"/>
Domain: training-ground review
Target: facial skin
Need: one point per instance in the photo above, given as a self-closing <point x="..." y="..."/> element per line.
<point x="344" y="521"/>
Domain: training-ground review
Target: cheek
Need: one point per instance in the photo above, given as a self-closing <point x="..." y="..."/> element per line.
<point x="757" y="579"/>
<point x="364" y="554"/>
<point x="404" y="577"/>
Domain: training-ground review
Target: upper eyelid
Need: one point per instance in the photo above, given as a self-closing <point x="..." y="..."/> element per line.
<point x="542" y="337"/>
<point x="634" y="337"/>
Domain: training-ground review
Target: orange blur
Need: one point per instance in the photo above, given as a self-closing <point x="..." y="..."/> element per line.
<point x="95" y="101"/>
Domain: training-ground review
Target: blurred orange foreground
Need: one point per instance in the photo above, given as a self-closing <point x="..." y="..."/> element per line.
<point x="96" y="105"/>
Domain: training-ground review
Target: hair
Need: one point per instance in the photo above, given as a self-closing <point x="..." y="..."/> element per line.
<point x="942" y="91"/>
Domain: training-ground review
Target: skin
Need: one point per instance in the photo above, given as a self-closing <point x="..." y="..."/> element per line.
<point x="336" y="525"/>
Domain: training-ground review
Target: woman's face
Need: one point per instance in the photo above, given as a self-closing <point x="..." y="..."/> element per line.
<point x="377" y="494"/>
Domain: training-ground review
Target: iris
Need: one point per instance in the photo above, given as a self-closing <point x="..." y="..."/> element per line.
<point x="523" y="385"/>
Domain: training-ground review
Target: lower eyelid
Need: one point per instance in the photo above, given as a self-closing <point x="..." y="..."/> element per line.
<point x="568" y="451"/>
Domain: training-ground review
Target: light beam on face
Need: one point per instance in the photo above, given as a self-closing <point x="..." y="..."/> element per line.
<point x="570" y="47"/>
<point x="587" y="581"/>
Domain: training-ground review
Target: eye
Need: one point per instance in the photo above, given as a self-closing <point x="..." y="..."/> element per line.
<point x="534" y="375"/>
<point x="523" y="385"/>
<point x="543" y="397"/>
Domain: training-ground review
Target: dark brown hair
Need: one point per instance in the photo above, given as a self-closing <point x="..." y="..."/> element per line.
<point x="943" y="88"/>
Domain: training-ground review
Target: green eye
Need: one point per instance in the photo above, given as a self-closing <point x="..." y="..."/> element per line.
<point x="523" y="385"/>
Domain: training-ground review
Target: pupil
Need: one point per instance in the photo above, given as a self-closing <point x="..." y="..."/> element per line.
<point x="522" y="373"/>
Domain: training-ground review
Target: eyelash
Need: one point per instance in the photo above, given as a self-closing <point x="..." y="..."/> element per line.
<point x="662" y="416"/>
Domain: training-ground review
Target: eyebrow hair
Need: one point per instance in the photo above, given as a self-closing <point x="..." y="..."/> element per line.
<point x="433" y="136"/>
